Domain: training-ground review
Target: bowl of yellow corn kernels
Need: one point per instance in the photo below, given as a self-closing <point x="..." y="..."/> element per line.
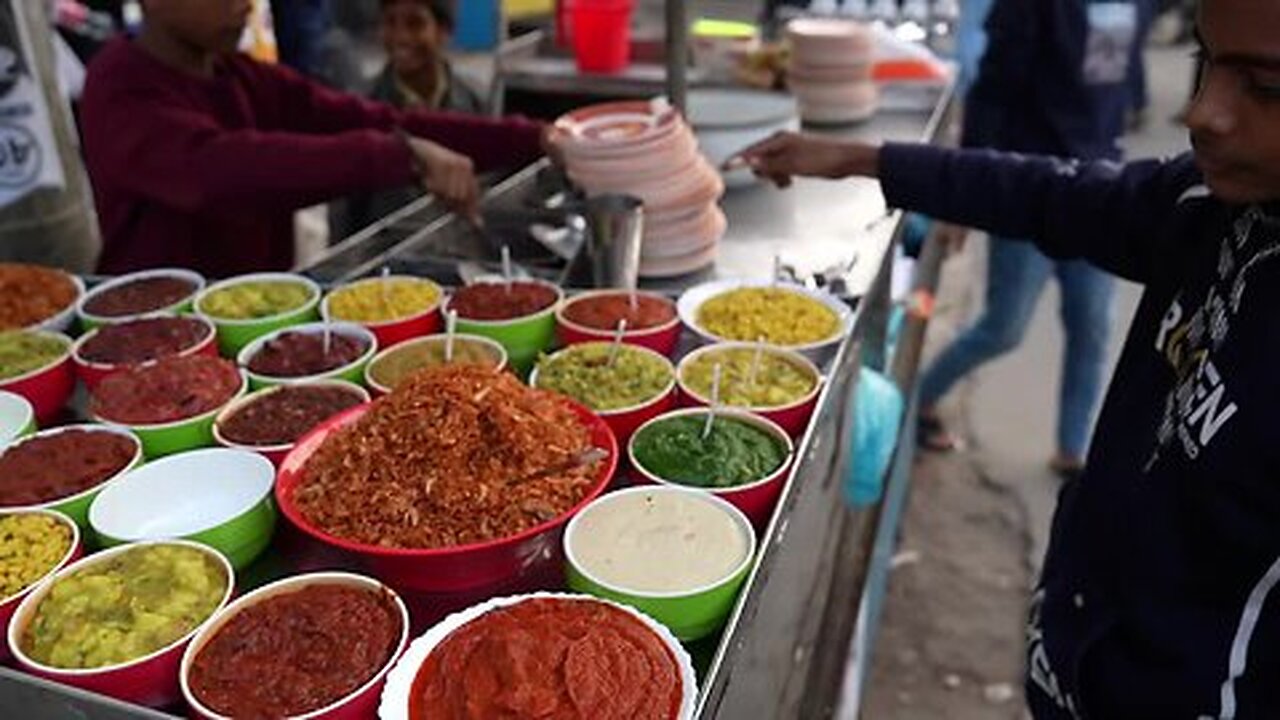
<point x="784" y="315"/>
<point x="395" y="308"/>
<point x="34" y="544"/>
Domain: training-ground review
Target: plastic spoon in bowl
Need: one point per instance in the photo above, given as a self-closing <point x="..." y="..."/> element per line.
<point x="450" y="330"/>
<point x="506" y="267"/>
<point x="715" y="401"/>
<point x="590" y="456"/>
<point x="633" y="299"/>
<point x="328" y="339"/>
<point x="385" y="286"/>
<point x="754" y="374"/>
<point x="617" y="341"/>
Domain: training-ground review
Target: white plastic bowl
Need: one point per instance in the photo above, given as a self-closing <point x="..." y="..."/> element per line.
<point x="819" y="352"/>
<point x="17" y="417"/>
<point x="218" y="496"/>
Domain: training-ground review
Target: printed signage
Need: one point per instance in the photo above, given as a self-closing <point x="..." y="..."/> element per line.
<point x="28" y="152"/>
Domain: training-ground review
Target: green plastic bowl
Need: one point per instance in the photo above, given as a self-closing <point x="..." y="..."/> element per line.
<point x="163" y="439"/>
<point x="17" y="418"/>
<point x="89" y="321"/>
<point x="524" y="338"/>
<point x="218" y="497"/>
<point x="76" y="506"/>
<point x="234" y="335"/>
<point x="690" y="614"/>
<point x="352" y="372"/>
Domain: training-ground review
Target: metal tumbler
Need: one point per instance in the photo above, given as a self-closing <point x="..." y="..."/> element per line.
<point x="613" y="242"/>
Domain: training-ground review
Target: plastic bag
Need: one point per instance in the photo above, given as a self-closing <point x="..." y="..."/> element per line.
<point x="875" y="418"/>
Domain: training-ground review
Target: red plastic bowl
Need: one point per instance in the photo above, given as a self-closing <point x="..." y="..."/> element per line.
<point x="275" y="453"/>
<point x="151" y="680"/>
<point x="663" y="339"/>
<point x="9" y="605"/>
<point x="443" y="570"/>
<point x="359" y="704"/>
<point x="394" y="332"/>
<point x="756" y="500"/>
<point x="47" y="388"/>
<point x="625" y="421"/>
<point x="91" y="373"/>
<point x="793" y="418"/>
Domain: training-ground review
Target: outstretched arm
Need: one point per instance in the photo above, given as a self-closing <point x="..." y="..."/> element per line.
<point x="1101" y="211"/>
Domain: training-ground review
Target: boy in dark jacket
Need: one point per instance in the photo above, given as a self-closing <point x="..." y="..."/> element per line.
<point x="1158" y="597"/>
<point x="417" y="76"/>
<point x="200" y="156"/>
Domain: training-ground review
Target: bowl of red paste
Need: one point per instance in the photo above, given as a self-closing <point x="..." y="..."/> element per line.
<point x="520" y="315"/>
<point x="543" y="655"/>
<point x="652" y="320"/>
<point x="311" y="646"/>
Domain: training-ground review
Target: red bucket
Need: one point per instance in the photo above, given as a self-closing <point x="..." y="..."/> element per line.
<point x="601" y="32"/>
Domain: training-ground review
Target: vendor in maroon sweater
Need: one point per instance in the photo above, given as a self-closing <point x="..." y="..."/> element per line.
<point x="200" y="156"/>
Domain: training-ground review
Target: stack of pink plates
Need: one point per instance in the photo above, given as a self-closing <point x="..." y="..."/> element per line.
<point x="646" y="149"/>
<point x="831" y="70"/>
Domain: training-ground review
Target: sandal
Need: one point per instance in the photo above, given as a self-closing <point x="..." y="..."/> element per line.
<point x="1067" y="470"/>
<point x="932" y="434"/>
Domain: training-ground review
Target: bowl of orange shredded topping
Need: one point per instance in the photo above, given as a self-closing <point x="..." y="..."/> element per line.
<point x="459" y="479"/>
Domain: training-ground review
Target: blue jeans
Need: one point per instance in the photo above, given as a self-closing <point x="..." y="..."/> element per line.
<point x="1016" y="276"/>
<point x="971" y="41"/>
<point x="1139" y="96"/>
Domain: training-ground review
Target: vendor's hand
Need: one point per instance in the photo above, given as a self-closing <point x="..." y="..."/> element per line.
<point x="787" y="154"/>
<point x="449" y="176"/>
<point x="551" y="145"/>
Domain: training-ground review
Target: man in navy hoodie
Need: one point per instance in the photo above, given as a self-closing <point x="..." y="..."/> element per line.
<point x="1158" y="597"/>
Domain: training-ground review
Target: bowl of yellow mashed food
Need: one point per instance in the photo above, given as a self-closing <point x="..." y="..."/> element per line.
<point x="781" y="385"/>
<point x="117" y="622"/>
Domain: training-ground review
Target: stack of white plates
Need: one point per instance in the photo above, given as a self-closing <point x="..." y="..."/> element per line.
<point x="831" y="70"/>
<point x="647" y="150"/>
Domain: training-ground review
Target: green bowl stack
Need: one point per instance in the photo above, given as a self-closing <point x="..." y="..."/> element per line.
<point x="352" y="372"/>
<point x="256" y="300"/>
<point x="219" y="497"/>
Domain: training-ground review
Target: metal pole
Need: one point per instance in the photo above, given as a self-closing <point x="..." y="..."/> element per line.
<point x="677" y="55"/>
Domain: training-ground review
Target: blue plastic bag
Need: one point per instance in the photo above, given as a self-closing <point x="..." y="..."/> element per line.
<point x="876" y="418"/>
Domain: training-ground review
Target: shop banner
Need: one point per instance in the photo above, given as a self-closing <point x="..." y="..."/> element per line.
<point x="28" y="152"/>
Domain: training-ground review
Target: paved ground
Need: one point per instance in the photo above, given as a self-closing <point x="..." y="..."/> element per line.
<point x="975" y="529"/>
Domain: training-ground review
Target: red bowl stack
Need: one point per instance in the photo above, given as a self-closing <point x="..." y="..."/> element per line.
<point x="793" y="417"/>
<point x="151" y="680"/>
<point x="47" y="388"/>
<point x="393" y="332"/>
